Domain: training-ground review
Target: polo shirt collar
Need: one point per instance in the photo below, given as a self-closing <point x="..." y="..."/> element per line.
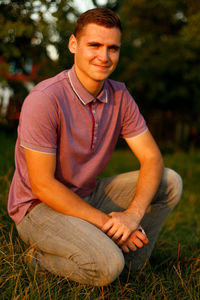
<point x="84" y="96"/>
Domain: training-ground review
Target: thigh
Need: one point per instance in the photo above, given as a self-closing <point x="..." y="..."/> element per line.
<point x="71" y="247"/>
<point x="170" y="189"/>
<point x="72" y="238"/>
<point x="114" y="193"/>
<point x="117" y="192"/>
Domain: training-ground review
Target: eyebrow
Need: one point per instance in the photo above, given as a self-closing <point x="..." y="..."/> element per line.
<point x="99" y="44"/>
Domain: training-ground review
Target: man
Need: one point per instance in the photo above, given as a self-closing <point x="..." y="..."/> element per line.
<point x="80" y="227"/>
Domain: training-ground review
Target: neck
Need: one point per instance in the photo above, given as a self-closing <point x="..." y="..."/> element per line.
<point x="93" y="87"/>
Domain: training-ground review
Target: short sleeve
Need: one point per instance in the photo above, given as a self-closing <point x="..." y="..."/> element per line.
<point x="133" y="123"/>
<point x="38" y="123"/>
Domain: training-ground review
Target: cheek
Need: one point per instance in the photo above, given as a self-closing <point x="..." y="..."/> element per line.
<point x="90" y="55"/>
<point x="115" y="58"/>
<point x="84" y="55"/>
<point x="87" y="53"/>
<point x="83" y="59"/>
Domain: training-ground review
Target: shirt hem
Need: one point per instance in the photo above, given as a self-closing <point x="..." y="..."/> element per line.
<point x="132" y="136"/>
<point x="39" y="150"/>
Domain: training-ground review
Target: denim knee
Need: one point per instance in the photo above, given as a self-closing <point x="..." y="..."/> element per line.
<point x="174" y="184"/>
<point x="109" y="270"/>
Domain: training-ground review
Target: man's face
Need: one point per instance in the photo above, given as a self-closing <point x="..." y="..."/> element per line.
<point x="96" y="52"/>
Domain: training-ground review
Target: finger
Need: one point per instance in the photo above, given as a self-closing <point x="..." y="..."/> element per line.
<point x="110" y="214"/>
<point x="113" y="230"/>
<point x="117" y="236"/>
<point x="124" y="237"/>
<point x="142" y="237"/>
<point x="125" y="249"/>
<point x="131" y="246"/>
<point x="137" y="242"/>
<point x="107" y="225"/>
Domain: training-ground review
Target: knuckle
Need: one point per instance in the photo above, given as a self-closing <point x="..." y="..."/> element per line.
<point x="109" y="233"/>
<point x="115" y="237"/>
<point x="139" y="245"/>
<point x="133" y="247"/>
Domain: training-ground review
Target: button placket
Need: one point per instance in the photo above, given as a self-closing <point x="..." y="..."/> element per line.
<point x="93" y="107"/>
<point x="95" y="124"/>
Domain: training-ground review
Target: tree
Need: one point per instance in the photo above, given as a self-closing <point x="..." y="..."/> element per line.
<point x="22" y="45"/>
<point x="28" y="28"/>
<point x="65" y="17"/>
<point x="160" y="57"/>
<point x="111" y="4"/>
<point x="22" y="38"/>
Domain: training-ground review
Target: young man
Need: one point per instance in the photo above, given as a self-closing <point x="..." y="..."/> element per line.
<point x="81" y="227"/>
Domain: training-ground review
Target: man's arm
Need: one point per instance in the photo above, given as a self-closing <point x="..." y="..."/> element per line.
<point x="41" y="170"/>
<point x="44" y="185"/>
<point x="151" y="171"/>
<point x="123" y="224"/>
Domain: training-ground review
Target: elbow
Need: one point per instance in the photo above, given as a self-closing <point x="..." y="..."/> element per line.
<point x="155" y="160"/>
<point x="40" y="189"/>
<point x="159" y="162"/>
<point x="37" y="190"/>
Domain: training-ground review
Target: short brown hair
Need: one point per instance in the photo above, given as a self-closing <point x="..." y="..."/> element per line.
<point x="100" y="16"/>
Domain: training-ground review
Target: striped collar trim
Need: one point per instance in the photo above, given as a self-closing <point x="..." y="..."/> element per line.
<point x="84" y="96"/>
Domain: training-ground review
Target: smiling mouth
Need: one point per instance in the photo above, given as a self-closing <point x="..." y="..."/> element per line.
<point x="101" y="67"/>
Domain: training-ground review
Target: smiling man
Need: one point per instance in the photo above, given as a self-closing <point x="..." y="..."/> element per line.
<point x="78" y="226"/>
<point x="96" y="54"/>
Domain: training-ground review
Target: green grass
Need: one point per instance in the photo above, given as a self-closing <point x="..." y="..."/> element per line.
<point x="174" y="268"/>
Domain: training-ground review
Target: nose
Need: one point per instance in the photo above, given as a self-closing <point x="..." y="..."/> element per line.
<point x="104" y="54"/>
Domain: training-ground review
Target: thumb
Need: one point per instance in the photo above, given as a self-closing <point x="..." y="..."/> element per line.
<point x="110" y="214"/>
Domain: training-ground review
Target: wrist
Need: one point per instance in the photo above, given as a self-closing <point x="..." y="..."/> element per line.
<point x="135" y="217"/>
<point x="104" y="219"/>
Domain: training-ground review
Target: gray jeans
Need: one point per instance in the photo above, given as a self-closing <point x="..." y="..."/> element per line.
<point x="76" y="249"/>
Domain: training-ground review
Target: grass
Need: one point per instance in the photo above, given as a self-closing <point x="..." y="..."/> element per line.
<point x="174" y="268"/>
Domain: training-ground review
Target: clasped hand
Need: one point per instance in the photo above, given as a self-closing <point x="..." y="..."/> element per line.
<point x="124" y="230"/>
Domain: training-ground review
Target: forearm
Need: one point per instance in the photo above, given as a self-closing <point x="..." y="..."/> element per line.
<point x="123" y="225"/>
<point x="148" y="182"/>
<point x="60" y="198"/>
<point x="55" y="194"/>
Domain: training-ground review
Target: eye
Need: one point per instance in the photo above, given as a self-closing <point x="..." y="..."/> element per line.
<point x="94" y="45"/>
<point x="114" y="49"/>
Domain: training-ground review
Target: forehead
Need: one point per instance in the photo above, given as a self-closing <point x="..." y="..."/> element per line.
<point x="97" y="32"/>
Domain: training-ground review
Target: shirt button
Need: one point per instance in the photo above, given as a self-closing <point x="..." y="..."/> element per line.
<point x="94" y="100"/>
<point x="96" y="125"/>
<point x="93" y="111"/>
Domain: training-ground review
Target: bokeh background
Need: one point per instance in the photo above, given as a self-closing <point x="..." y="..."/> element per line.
<point x="160" y="61"/>
<point x="160" y="64"/>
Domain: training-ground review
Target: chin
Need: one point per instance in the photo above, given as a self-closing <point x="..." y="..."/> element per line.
<point x="103" y="76"/>
<point x="100" y="78"/>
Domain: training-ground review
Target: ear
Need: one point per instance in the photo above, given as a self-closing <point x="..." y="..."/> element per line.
<point x="72" y="45"/>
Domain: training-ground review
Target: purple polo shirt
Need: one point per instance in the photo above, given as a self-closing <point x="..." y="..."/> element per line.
<point x="60" y="117"/>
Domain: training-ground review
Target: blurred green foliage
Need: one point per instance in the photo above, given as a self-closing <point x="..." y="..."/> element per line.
<point x="23" y="41"/>
<point x="160" y="60"/>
